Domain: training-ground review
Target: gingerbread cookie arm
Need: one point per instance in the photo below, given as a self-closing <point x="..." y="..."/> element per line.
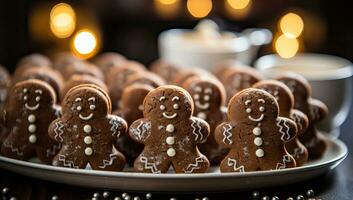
<point x="56" y="130"/>
<point x="287" y="128"/>
<point x="118" y="126"/>
<point x="140" y="130"/>
<point x="223" y="134"/>
<point x="318" y="110"/>
<point x="300" y="119"/>
<point x="57" y="111"/>
<point x="200" y="129"/>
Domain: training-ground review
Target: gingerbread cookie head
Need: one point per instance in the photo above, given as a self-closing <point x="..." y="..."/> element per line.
<point x="133" y="97"/>
<point x="147" y="78"/>
<point x="185" y="74"/>
<point x="79" y="79"/>
<point x="169" y="103"/>
<point x="282" y="94"/>
<point x="165" y="69"/>
<point x="31" y="61"/>
<point x="253" y="106"/>
<point x="299" y="86"/>
<point x="86" y="102"/>
<point x="208" y="94"/>
<point x="240" y="78"/>
<point x="52" y="77"/>
<point x="32" y="95"/>
<point x="109" y="60"/>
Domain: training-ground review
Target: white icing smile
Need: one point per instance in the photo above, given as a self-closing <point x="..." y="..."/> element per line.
<point x="165" y="115"/>
<point x="202" y="106"/>
<point x="32" y="107"/>
<point x="86" y="118"/>
<point x="259" y="119"/>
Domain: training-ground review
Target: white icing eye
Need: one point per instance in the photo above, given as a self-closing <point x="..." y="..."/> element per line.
<point x="206" y="98"/>
<point x="37" y="98"/>
<point x="79" y="108"/>
<point x="248" y="110"/>
<point x="176" y="106"/>
<point x="25" y="90"/>
<point x="196" y="97"/>
<point x="25" y="97"/>
<point x="92" y="107"/>
<point x="262" y="108"/>
<point x="162" y="107"/>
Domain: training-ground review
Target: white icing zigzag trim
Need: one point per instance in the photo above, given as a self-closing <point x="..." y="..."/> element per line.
<point x="196" y="126"/>
<point x="142" y="130"/>
<point x="109" y="162"/>
<point x="18" y="151"/>
<point x="66" y="163"/>
<point x="311" y="143"/>
<point x="196" y="165"/>
<point x="150" y="166"/>
<point x="286" y="159"/>
<point x="116" y="123"/>
<point x="283" y="129"/>
<point x="58" y="130"/>
<point x="52" y="152"/>
<point x="298" y="120"/>
<point x="227" y="134"/>
<point x="233" y="163"/>
<point x="297" y="152"/>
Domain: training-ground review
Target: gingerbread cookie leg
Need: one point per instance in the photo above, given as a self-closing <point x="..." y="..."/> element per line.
<point x="298" y="151"/>
<point x="233" y="163"/>
<point x="15" y="147"/>
<point x="287" y="161"/>
<point x="47" y="152"/>
<point x="151" y="162"/>
<point x="114" y="161"/>
<point x="192" y="162"/>
<point x="68" y="158"/>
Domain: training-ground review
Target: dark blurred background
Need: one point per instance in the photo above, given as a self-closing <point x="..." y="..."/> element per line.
<point x="131" y="27"/>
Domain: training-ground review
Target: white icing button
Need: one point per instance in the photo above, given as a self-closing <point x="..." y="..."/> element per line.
<point x="170" y="140"/>
<point x="88" y="151"/>
<point x="32" y="128"/>
<point x="87" y="128"/>
<point x="258" y="141"/>
<point x="87" y="140"/>
<point x="201" y="115"/>
<point x="171" y="152"/>
<point x="260" y="153"/>
<point x="256" y="131"/>
<point x="32" y="138"/>
<point x="31" y="118"/>
<point x="170" y="128"/>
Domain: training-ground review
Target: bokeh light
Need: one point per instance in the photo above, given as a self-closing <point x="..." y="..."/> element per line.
<point x="167" y="8"/>
<point x="62" y="20"/>
<point x="199" y="8"/>
<point x="238" y="4"/>
<point x="291" y="25"/>
<point x="84" y="44"/>
<point x="286" y="47"/>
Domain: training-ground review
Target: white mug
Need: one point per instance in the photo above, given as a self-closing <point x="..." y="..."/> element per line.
<point x="330" y="79"/>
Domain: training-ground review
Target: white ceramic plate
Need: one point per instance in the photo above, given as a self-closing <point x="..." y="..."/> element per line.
<point x="212" y="181"/>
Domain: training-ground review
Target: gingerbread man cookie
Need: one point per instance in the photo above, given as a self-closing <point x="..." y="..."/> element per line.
<point x="255" y="134"/>
<point x="285" y="100"/>
<point x="131" y="109"/>
<point x="165" y="69"/>
<point x="28" y="113"/>
<point x="117" y="77"/>
<point x="82" y="67"/>
<point x="87" y="131"/>
<point x="239" y="79"/>
<point x="185" y="74"/>
<point x="170" y="133"/>
<point x="147" y="78"/>
<point x="108" y="60"/>
<point x="32" y="61"/>
<point x="314" y="109"/>
<point x="209" y="100"/>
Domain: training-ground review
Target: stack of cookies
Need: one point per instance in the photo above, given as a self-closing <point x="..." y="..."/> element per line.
<point x="113" y="112"/>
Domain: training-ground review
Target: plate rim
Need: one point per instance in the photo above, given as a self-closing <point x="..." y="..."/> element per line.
<point x="216" y="175"/>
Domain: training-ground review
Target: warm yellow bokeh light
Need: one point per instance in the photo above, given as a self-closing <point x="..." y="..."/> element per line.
<point x="167" y="8"/>
<point x="167" y="2"/>
<point x="62" y="20"/>
<point x="286" y="47"/>
<point x="238" y="4"/>
<point x="199" y="8"/>
<point x="84" y="44"/>
<point x="291" y="25"/>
